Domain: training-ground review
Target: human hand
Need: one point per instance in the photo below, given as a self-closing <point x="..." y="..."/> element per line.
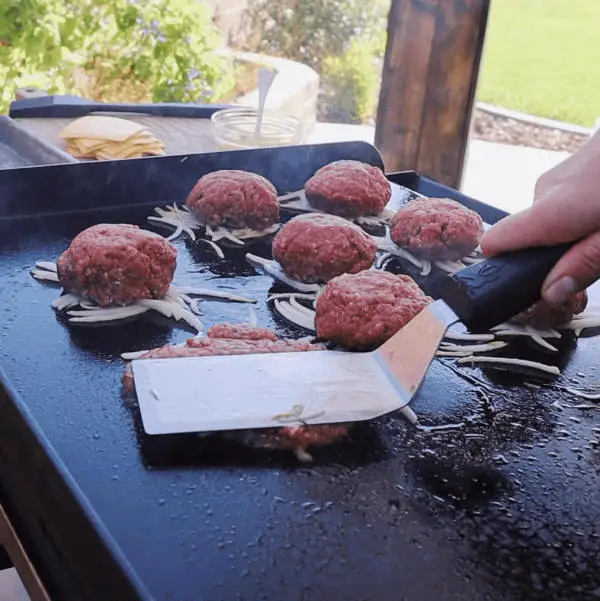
<point x="566" y="208"/>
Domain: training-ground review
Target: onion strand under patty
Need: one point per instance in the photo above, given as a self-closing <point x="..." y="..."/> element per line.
<point x="177" y="303"/>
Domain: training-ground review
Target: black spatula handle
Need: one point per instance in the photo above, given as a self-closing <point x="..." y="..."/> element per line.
<point x="489" y="293"/>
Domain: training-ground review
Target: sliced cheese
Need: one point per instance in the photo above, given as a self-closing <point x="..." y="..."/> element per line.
<point x="102" y="128"/>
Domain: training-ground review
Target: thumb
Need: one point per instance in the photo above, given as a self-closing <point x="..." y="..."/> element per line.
<point x="514" y="232"/>
<point x="575" y="271"/>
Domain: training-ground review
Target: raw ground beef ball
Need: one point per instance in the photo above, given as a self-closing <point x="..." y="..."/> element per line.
<point x="362" y="311"/>
<point x="542" y="315"/>
<point x="348" y="189"/>
<point x="117" y="264"/>
<point x="437" y="229"/>
<point x="317" y="247"/>
<point x="234" y="199"/>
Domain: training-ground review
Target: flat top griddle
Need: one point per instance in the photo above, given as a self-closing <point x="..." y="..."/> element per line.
<point x="503" y="508"/>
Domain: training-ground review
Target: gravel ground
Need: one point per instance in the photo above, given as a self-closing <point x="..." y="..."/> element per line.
<point x="495" y="128"/>
<point x="486" y="126"/>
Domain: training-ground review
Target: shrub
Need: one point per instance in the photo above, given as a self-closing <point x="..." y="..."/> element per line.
<point x="309" y="31"/>
<point x="351" y="83"/>
<point x="159" y="50"/>
<point x="343" y="40"/>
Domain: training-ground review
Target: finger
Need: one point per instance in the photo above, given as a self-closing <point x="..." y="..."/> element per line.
<point x="549" y="221"/>
<point x="514" y="232"/>
<point x="577" y="269"/>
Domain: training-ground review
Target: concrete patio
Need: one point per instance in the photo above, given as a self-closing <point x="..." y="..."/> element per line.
<point x="501" y="175"/>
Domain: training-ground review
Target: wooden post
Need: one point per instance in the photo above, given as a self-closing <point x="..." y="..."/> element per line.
<point x="428" y="85"/>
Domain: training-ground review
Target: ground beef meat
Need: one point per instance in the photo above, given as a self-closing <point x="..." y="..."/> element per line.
<point x="232" y="346"/>
<point x="241" y="332"/>
<point x="317" y="247"/>
<point x="204" y="347"/>
<point x="299" y="438"/>
<point x="437" y="229"/>
<point x="348" y="189"/>
<point x="542" y="315"/>
<point x="117" y="264"/>
<point x="235" y="199"/>
<point x="362" y="311"/>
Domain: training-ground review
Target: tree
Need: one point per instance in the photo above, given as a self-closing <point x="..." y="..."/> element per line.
<point x="162" y="49"/>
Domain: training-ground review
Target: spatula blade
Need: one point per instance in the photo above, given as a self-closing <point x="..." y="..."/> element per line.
<point x="202" y="394"/>
<point x="406" y="356"/>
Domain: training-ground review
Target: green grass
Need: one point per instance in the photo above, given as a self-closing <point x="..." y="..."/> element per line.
<point x="543" y="57"/>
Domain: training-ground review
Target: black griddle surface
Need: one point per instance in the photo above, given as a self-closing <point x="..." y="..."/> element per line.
<point x="504" y="508"/>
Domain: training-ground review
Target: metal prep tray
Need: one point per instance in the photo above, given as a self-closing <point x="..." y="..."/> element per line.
<point x="20" y="148"/>
<point x="504" y="508"/>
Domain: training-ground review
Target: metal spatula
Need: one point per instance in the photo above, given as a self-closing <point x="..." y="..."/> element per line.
<point x="202" y="394"/>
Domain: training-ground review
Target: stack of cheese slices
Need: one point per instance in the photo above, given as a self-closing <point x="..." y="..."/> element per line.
<point x="100" y="137"/>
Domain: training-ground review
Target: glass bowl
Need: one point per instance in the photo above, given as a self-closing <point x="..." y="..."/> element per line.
<point x="234" y="129"/>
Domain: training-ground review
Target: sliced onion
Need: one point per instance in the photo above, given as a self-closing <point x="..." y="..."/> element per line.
<point x="288" y="295"/>
<point x="176" y="233"/>
<point x="582" y="394"/>
<point x="512" y="329"/>
<point x="470" y="260"/>
<point x="105" y="314"/>
<point x="248" y="233"/>
<point x="215" y="247"/>
<point x="221" y="233"/>
<point x="174" y="295"/>
<point x="370" y="221"/>
<point x="133" y="355"/>
<point x="46" y="265"/>
<point x="444" y="353"/>
<point x="297" y="201"/>
<point x="186" y="222"/>
<point x="386" y="214"/>
<point x="426" y="269"/>
<point x="582" y="322"/>
<point x="229" y="236"/>
<point x="299" y="194"/>
<point x="536" y="337"/>
<point x="551" y="369"/>
<point x="450" y="335"/>
<point x="388" y="246"/>
<point x="178" y="226"/>
<point x="90" y="306"/>
<point x="449" y="266"/>
<point x="275" y="270"/>
<point x="474" y="348"/>
<point x="195" y="306"/>
<point x="303" y="455"/>
<point x="64" y="301"/>
<point x="299" y="307"/>
<point x="442" y="427"/>
<point x="252" y="318"/>
<point x="47" y="276"/>
<point x="173" y="216"/>
<point x="382" y="260"/>
<point x="293" y="315"/>
<point x="409" y="414"/>
<point x="172" y="309"/>
<point x="213" y="294"/>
